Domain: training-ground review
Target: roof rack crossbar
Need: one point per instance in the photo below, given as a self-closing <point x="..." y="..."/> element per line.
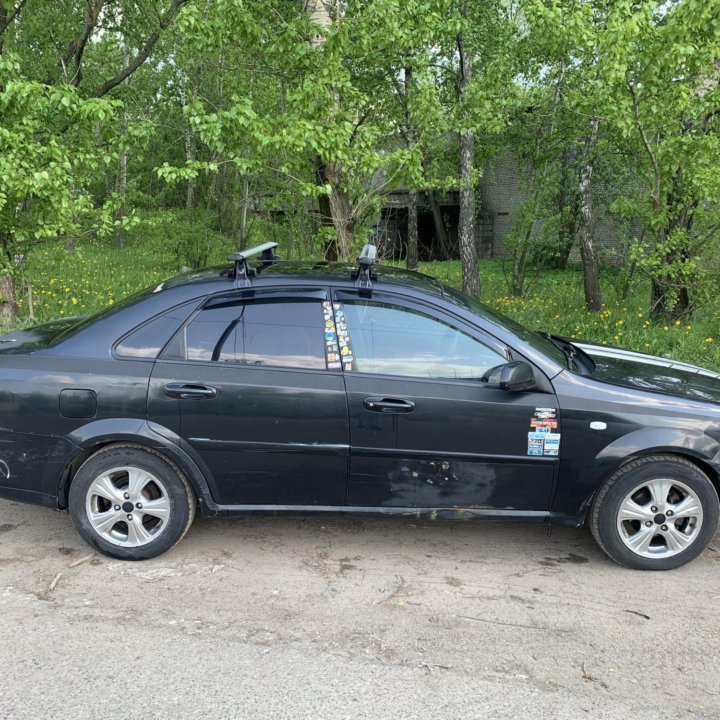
<point x="364" y="273"/>
<point x="242" y="272"/>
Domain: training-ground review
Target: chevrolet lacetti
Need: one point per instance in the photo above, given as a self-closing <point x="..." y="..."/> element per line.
<point x="281" y="388"/>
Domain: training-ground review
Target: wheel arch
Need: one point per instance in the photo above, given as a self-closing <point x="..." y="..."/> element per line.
<point x="702" y="464"/>
<point x="101" y="434"/>
<point x="691" y="445"/>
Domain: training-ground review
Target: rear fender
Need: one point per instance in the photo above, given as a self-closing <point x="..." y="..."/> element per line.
<point x="91" y="437"/>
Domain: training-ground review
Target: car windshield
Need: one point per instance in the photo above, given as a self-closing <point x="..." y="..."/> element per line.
<point x="534" y="339"/>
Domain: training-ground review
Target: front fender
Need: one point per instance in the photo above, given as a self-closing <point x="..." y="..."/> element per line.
<point x="690" y="443"/>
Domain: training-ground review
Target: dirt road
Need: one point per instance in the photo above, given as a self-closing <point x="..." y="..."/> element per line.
<point x="335" y="618"/>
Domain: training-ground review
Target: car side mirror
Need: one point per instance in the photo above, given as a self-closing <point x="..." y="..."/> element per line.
<point x="514" y="376"/>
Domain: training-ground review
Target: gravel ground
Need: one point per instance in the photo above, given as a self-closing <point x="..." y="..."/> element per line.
<point x="351" y="618"/>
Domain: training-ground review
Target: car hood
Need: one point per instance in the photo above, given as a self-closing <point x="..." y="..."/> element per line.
<point x="652" y="373"/>
<point x="32" y="338"/>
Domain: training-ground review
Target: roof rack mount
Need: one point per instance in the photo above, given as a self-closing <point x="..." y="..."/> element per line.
<point x="364" y="273"/>
<point x="242" y="272"/>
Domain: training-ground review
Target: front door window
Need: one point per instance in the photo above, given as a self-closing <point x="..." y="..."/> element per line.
<point x="393" y="340"/>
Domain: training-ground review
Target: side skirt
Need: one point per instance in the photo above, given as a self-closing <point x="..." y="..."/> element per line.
<point x="455" y="513"/>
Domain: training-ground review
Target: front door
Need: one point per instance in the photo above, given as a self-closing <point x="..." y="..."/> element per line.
<point x="425" y="431"/>
<point x="247" y="384"/>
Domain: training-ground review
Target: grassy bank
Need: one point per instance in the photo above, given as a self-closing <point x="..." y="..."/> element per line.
<point x="96" y="275"/>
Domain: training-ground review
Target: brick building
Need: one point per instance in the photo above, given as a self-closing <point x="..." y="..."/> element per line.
<point x="501" y="192"/>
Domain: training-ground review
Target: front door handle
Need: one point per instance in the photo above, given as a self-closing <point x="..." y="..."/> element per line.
<point x="188" y="391"/>
<point x="388" y="405"/>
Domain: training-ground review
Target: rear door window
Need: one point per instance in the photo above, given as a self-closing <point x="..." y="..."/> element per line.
<point x="269" y="333"/>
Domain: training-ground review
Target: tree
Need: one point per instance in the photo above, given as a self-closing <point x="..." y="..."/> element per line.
<point x="49" y="156"/>
<point x="466" y="227"/>
<point x="670" y="111"/>
<point x="649" y="73"/>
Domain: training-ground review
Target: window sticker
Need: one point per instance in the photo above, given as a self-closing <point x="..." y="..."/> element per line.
<point x="343" y="336"/>
<point x="332" y="349"/>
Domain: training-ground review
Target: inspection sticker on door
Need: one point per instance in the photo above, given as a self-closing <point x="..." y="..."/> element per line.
<point x="536" y="442"/>
<point x="543" y="443"/>
<point x="552" y="444"/>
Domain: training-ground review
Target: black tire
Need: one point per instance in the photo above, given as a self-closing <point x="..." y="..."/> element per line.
<point x="168" y="486"/>
<point x="603" y="517"/>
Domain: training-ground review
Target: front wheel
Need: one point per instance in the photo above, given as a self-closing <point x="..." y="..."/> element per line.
<point x="655" y="513"/>
<point x="131" y="502"/>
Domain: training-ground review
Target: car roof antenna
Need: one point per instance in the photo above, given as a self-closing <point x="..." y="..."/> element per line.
<point x="364" y="273"/>
<point x="242" y="272"/>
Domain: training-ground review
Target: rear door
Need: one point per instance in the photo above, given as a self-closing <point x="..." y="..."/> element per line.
<point x="425" y="431"/>
<point x="247" y="384"/>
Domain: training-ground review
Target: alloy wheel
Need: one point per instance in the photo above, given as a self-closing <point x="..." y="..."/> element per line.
<point x="128" y="506"/>
<point x="660" y="518"/>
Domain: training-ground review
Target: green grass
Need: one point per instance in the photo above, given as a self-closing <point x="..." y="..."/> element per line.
<point x="556" y="305"/>
<point x="97" y="275"/>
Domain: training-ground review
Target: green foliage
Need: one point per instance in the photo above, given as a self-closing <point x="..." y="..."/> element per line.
<point x="652" y="73"/>
<point x="47" y="156"/>
<point x="83" y="282"/>
<point x="556" y="304"/>
<point x="250" y="122"/>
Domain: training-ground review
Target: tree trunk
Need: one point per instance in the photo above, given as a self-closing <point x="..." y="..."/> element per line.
<point x="520" y="261"/>
<point x="8" y="302"/>
<point x="440" y="233"/>
<point x="466" y="225"/>
<point x="412" y="244"/>
<point x="586" y="230"/>
<point x="122" y="166"/>
<point x="567" y="208"/>
<point x="189" y="157"/>
<point x="324" y="209"/>
<point x="412" y="213"/>
<point x="333" y="208"/>
<point x="341" y="209"/>
<point x="243" y="212"/>
<point x="121" y="186"/>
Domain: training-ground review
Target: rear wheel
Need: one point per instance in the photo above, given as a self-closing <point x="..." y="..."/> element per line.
<point x="655" y="513"/>
<point x="131" y="502"/>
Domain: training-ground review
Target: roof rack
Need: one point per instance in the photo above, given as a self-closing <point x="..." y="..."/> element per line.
<point x="242" y="272"/>
<point x="364" y="273"/>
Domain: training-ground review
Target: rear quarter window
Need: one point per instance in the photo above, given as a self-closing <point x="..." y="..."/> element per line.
<point x="146" y="341"/>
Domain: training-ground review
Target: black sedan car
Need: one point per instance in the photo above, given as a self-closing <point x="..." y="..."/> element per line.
<point x="268" y="387"/>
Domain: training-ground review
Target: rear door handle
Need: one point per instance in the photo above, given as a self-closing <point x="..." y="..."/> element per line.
<point x="188" y="391"/>
<point x="388" y="405"/>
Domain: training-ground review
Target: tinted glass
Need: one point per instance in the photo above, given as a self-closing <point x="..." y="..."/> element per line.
<point x="276" y="333"/>
<point x="149" y="339"/>
<point x="531" y="338"/>
<point x="393" y="340"/>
